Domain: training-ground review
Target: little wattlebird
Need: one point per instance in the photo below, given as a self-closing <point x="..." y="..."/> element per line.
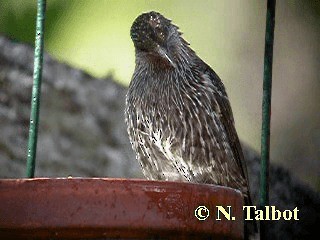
<point x="179" y="118"/>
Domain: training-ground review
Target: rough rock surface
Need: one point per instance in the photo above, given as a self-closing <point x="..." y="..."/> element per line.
<point x="82" y="133"/>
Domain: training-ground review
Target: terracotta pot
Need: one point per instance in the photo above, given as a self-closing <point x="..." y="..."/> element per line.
<point x="71" y="208"/>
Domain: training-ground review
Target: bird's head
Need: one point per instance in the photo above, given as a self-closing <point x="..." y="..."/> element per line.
<point x="154" y="34"/>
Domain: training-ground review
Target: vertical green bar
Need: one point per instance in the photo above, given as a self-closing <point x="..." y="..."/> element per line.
<point x="266" y="111"/>
<point x="36" y="89"/>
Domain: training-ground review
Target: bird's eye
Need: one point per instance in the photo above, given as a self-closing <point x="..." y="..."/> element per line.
<point x="159" y="33"/>
<point x="157" y="29"/>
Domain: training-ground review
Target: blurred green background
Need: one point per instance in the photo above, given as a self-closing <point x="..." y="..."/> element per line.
<point x="93" y="35"/>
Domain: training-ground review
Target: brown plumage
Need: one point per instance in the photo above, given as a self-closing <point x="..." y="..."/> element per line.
<point x="178" y="114"/>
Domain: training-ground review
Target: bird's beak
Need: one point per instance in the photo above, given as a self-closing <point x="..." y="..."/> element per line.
<point x="165" y="55"/>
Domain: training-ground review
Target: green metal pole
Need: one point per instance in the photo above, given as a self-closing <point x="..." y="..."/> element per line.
<point x="36" y="89"/>
<point x="266" y="112"/>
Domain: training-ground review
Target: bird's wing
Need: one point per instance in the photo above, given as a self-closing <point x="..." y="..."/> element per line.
<point x="226" y="117"/>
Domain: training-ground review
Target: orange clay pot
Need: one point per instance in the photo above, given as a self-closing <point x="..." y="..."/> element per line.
<point x="73" y="208"/>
